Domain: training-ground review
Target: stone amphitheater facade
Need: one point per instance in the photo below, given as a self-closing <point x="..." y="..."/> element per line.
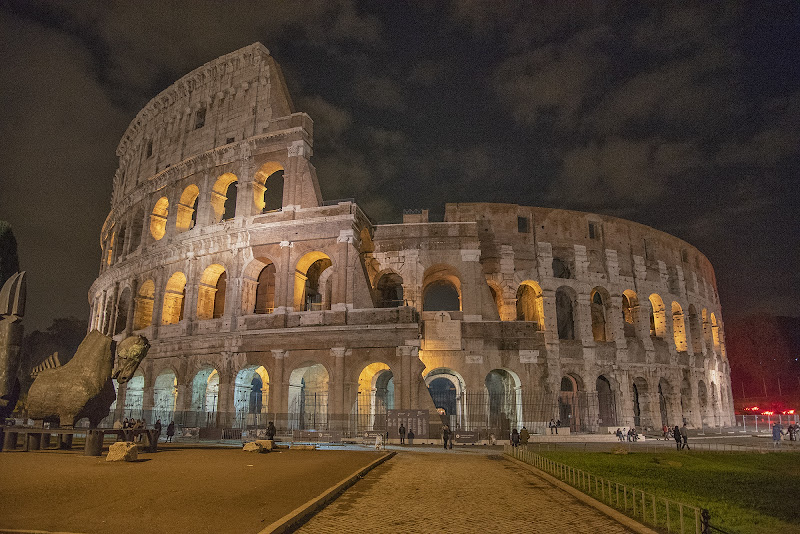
<point x="262" y="301"/>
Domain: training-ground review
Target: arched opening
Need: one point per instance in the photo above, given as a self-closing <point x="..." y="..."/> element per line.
<point x="143" y="315"/>
<point x="205" y="396"/>
<point x="265" y="290"/>
<point x="686" y="399"/>
<point x="375" y="397"/>
<point x="447" y="390"/>
<point x="702" y="397"/>
<point x="572" y="409"/>
<point x="497" y="297"/>
<point x="390" y="290"/>
<point x="268" y="187"/>
<point x="504" y="410"/>
<point x="174" y="298"/>
<point x="565" y="313"/>
<point x="678" y="327"/>
<point x="715" y="332"/>
<point x="530" y="303"/>
<point x="158" y="218"/>
<point x="187" y="208"/>
<point x="223" y="197"/>
<point x="441" y="289"/>
<point x="695" y="331"/>
<point x="664" y="393"/>
<point x="211" y="292"/>
<point x="308" y="397"/>
<point x="165" y="394"/>
<point x="599" y="301"/>
<point x="134" y="395"/>
<point x="136" y="229"/>
<point x="122" y="311"/>
<point x="630" y="312"/>
<point x="110" y="249"/>
<point x="312" y="287"/>
<point x="251" y="396"/>
<point x="606" y="403"/>
<point x="119" y="247"/>
<point x="658" y="319"/>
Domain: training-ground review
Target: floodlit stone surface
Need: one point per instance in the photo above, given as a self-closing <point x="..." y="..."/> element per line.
<point x="310" y="311"/>
<point x="122" y="451"/>
<point x="253" y="446"/>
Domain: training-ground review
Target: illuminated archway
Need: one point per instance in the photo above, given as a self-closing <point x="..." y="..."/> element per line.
<point x="599" y="302"/>
<point x="678" y="328"/>
<point x="268" y="187"/>
<point x="441" y="289"/>
<point x="658" y="318"/>
<point x="630" y="313"/>
<point x="223" y="197"/>
<point x="390" y="290"/>
<point x="158" y="218"/>
<point x="174" y="298"/>
<point x="251" y="396"/>
<point x="205" y="396"/>
<point x="187" y="208"/>
<point x="134" y="395"/>
<point x="312" y="290"/>
<point x="530" y="303"/>
<point x="504" y="402"/>
<point x="143" y="315"/>
<point x="375" y="396"/>
<point x="448" y="392"/>
<point x="211" y="292"/>
<point x="308" y="397"/>
<point x="258" y="286"/>
<point x="165" y="394"/>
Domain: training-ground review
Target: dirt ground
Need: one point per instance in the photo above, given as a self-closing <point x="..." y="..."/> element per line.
<point x="178" y="489"/>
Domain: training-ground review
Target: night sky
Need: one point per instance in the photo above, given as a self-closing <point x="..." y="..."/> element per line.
<point x="686" y="119"/>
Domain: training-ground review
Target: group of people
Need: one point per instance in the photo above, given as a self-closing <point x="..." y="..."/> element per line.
<point x="402" y="432"/>
<point x="629" y="434"/>
<point x="777" y="431"/>
<point x="137" y="424"/>
<point x="554" y="425"/>
<point x="520" y="438"/>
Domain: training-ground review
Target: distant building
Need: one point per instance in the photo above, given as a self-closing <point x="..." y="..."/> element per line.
<point x="262" y="301"/>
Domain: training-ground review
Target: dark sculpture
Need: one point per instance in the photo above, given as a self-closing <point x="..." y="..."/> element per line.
<point x="82" y="387"/>
<point x="12" y="308"/>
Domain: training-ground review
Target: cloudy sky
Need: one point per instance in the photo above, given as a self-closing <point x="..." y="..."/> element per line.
<point x="686" y="119"/>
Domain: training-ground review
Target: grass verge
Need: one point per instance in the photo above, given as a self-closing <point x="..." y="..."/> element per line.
<point x="746" y="493"/>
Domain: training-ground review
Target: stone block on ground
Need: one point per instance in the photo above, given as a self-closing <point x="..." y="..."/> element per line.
<point x="302" y="447"/>
<point x="267" y="444"/>
<point x="253" y="446"/>
<point x="122" y="451"/>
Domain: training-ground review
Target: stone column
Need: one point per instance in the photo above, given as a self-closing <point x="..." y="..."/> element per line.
<point x="227" y="389"/>
<point x="131" y="307"/>
<point x="336" y="389"/>
<point x="471" y="284"/>
<point x="284" y="274"/>
<point x="342" y="293"/>
<point x="278" y="390"/>
<point x="119" y="410"/>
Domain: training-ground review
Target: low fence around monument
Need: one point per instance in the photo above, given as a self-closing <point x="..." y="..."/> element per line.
<point x="644" y="506"/>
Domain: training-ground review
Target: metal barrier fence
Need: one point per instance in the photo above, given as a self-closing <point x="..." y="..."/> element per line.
<point x="763" y="423"/>
<point x="657" y="511"/>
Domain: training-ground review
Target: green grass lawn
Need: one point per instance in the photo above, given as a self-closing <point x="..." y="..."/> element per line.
<point x="745" y="492"/>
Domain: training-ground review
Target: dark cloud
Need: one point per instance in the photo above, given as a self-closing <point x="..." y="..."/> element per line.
<point x="685" y="118"/>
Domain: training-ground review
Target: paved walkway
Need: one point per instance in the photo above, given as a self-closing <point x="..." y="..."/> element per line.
<point x="456" y="491"/>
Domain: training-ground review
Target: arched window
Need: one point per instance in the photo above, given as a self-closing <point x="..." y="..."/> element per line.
<point x="187" y="208"/>
<point x="223" y="197"/>
<point x="122" y="311"/>
<point x="560" y="269"/>
<point x="598" y="313"/>
<point x="158" y="218"/>
<point x="390" y="291"/>
<point x="678" y="327"/>
<point x="119" y="247"/>
<point x="312" y="284"/>
<point x="565" y="316"/>
<point x="605" y="402"/>
<point x="211" y="293"/>
<point x="174" y="299"/>
<point x="441" y="289"/>
<point x="658" y="318"/>
<point x="136" y="229"/>
<point x="695" y="330"/>
<point x="268" y="187"/>
<point x="143" y="315"/>
<point x="530" y="304"/>
<point x="265" y="290"/>
<point x="630" y="311"/>
<point x="715" y="331"/>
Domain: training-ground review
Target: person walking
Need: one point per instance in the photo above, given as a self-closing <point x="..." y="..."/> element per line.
<point x="402" y="432"/>
<point x="777" y="431"/>
<point x="445" y="435"/>
<point x="676" y="433"/>
<point x="170" y="431"/>
<point x="685" y="437"/>
<point x="514" y="438"/>
<point x="157" y="428"/>
<point x="524" y="436"/>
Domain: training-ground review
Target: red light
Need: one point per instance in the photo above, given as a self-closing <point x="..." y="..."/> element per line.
<point x="768" y="413"/>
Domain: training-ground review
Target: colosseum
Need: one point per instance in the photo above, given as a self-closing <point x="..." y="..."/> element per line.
<point x="264" y="302"/>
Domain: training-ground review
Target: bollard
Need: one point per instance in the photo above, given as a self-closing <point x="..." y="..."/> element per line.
<point x="9" y="440"/>
<point x="94" y="443"/>
<point x="33" y="441"/>
<point x="66" y="441"/>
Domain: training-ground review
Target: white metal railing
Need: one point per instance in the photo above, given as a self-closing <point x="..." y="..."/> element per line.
<point x="658" y="511"/>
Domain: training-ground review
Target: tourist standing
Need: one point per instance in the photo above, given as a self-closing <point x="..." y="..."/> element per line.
<point x="558" y="425"/>
<point x="676" y="434"/>
<point x="685" y="437"/>
<point x="170" y="430"/>
<point x="402" y="432"/>
<point x="524" y="436"/>
<point x="552" y="425"/>
<point x="271" y="431"/>
<point x="410" y="436"/>
<point x="157" y="428"/>
<point x="777" y="431"/>
<point x="514" y="438"/>
<point x="445" y="435"/>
